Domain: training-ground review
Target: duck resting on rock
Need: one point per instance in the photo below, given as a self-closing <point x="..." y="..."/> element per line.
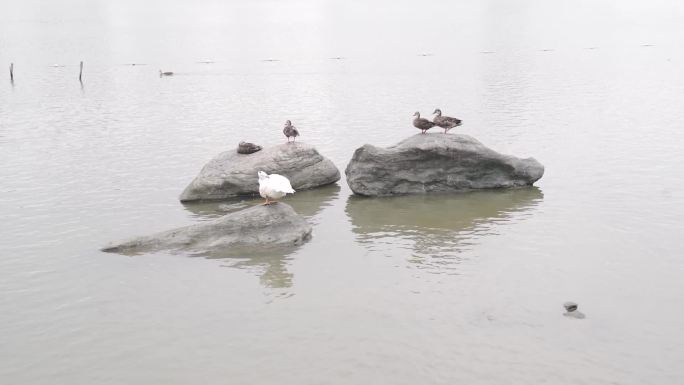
<point x="273" y="187"/>
<point x="248" y="148"/>
<point x="446" y="122"/>
<point x="290" y="131"/>
<point x="421" y="123"/>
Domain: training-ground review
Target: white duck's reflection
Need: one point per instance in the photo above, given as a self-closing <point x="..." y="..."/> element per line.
<point x="437" y="226"/>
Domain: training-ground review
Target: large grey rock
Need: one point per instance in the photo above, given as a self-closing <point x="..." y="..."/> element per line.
<point x="436" y="163"/>
<point x="256" y="228"/>
<point x="231" y="174"/>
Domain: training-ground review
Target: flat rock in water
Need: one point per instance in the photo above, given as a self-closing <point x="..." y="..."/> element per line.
<point x="427" y="163"/>
<point x="259" y="227"/>
<point x="231" y="174"/>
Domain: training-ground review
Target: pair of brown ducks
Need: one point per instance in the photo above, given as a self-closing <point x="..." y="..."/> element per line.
<point x="446" y="122"/>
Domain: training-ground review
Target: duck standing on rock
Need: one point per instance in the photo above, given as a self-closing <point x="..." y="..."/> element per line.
<point x="421" y="123"/>
<point x="446" y="122"/>
<point x="274" y="186"/>
<point x="290" y="131"/>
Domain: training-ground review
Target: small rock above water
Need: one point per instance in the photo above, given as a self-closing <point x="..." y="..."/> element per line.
<point x="571" y="311"/>
<point x="433" y="163"/>
<point x="259" y="227"/>
<point x="231" y="174"/>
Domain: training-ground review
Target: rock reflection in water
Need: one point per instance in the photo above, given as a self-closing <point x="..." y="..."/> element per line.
<point x="434" y="226"/>
<point x="269" y="265"/>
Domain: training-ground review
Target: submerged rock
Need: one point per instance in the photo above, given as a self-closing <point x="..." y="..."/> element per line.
<point x="436" y="163"/>
<point x="231" y="174"/>
<point x="259" y="227"/>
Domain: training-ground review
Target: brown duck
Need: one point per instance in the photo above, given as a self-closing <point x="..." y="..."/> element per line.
<point x="290" y="131"/>
<point x="248" y="148"/>
<point x="446" y="122"/>
<point x="421" y="123"/>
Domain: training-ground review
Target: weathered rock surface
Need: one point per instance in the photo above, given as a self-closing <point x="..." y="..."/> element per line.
<point x="436" y="163"/>
<point x="259" y="227"/>
<point x="231" y="174"/>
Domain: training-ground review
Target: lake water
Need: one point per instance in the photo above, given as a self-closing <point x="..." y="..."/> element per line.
<point x="411" y="290"/>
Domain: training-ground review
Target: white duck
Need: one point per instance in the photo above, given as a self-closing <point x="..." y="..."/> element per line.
<point x="274" y="186"/>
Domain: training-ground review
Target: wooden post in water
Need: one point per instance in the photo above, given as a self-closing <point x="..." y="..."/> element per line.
<point x="80" y="74"/>
<point x="12" y="72"/>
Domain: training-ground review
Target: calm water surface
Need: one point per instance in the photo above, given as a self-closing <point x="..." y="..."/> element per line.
<point x="413" y="290"/>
